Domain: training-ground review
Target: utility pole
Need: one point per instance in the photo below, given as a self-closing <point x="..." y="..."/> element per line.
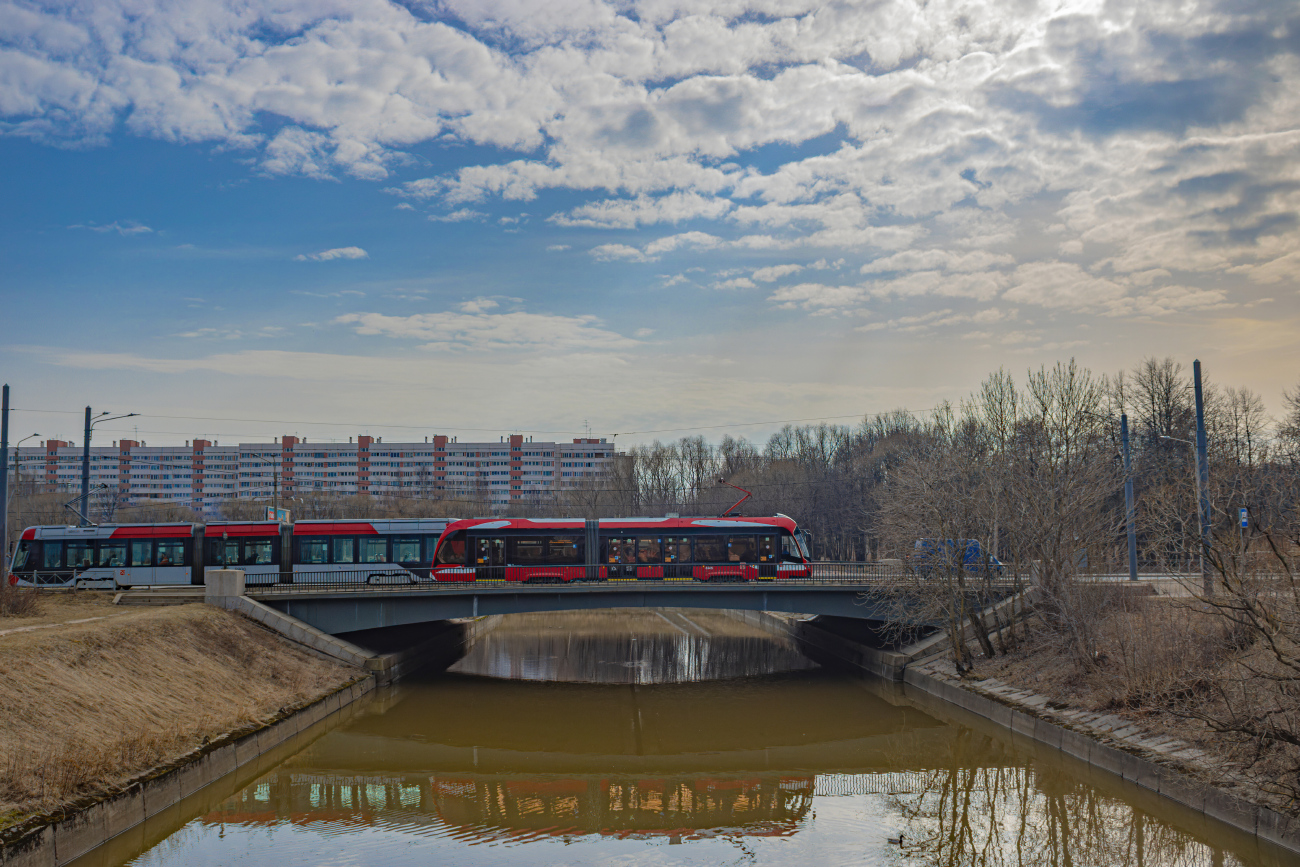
<point x="1128" y="500"/>
<point x="85" y="474"/>
<point x="1202" y="481"/>
<point x="4" y="484"/>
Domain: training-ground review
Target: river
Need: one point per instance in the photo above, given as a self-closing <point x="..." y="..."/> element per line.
<point x="675" y="738"/>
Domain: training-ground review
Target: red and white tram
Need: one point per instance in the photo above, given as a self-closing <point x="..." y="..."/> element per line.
<point x="401" y="549"/>
<point x="668" y="549"/>
<point x="109" y="556"/>
<point x="260" y="548"/>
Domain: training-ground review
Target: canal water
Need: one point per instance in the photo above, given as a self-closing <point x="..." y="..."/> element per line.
<point x="676" y="738"/>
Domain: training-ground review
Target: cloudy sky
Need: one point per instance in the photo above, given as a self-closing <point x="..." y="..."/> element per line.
<point x="274" y="216"/>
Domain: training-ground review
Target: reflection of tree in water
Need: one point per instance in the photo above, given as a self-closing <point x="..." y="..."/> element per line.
<point x="1015" y="817"/>
<point x="641" y="659"/>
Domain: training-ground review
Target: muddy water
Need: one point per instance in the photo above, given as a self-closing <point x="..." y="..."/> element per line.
<point x="687" y="738"/>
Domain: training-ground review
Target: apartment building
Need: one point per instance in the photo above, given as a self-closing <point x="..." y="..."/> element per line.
<point x="202" y="473"/>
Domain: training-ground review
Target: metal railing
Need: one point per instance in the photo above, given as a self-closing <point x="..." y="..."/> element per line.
<point x="575" y="578"/>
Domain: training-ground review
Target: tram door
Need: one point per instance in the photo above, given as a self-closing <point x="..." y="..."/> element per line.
<point x="490" y="558"/>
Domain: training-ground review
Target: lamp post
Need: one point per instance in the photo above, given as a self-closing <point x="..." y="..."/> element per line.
<point x="1203" y="512"/>
<point x="275" y="479"/>
<point x="85" y="459"/>
<point x="9" y="493"/>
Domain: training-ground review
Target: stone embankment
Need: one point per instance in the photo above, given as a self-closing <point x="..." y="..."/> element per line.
<point x="1158" y="763"/>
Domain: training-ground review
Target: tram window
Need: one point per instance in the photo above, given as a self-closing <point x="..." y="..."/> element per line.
<point x="430" y="542"/>
<point x="313" y="550"/>
<point x="621" y="550"/>
<point x="740" y="549"/>
<point x="790" y="549"/>
<point x="53" y="556"/>
<point x="406" y="549"/>
<point x="374" y="549"/>
<point x="565" y="551"/>
<point x="710" y="549"/>
<point x="649" y="550"/>
<point x="112" y="554"/>
<point x="257" y="552"/>
<point x="677" y="549"/>
<point x="81" y="555"/>
<point x="452" y="551"/>
<point x="527" y="550"/>
<point x="141" y="552"/>
<point x="223" y="552"/>
<point x="345" y="550"/>
<point x="766" y="548"/>
<point x="171" y="552"/>
<point x="21" y="555"/>
<point x="489" y="551"/>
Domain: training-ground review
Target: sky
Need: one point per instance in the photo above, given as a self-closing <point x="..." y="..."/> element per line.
<point x="647" y="218"/>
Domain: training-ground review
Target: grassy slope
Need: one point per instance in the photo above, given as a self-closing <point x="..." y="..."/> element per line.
<point x="87" y="705"/>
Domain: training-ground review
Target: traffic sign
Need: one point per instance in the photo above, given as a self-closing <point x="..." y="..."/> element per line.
<point x="1245" y="521"/>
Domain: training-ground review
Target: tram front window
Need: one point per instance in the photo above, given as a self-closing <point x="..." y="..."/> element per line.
<point x="21" y="555"/>
<point x="452" y="552"/>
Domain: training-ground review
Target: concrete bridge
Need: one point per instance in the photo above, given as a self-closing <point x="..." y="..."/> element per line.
<point x="337" y="609"/>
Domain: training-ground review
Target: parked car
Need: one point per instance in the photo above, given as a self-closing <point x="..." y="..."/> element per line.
<point x="930" y="554"/>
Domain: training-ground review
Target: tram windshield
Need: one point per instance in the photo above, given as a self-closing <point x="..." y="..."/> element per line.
<point x="20" y="556"/>
<point x="452" y="550"/>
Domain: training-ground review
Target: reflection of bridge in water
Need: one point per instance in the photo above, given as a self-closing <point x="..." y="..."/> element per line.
<point x="489" y="807"/>
<point x="482" y="759"/>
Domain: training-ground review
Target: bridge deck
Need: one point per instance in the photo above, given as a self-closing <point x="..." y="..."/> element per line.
<point x="336" y="609"/>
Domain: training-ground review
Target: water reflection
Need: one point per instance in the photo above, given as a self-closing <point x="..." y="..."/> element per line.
<point x="787" y="768"/>
<point x="629" y="646"/>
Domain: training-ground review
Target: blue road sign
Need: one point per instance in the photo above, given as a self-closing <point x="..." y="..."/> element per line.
<point x="1245" y="521"/>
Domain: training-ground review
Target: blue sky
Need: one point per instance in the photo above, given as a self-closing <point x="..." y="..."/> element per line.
<point x="640" y="216"/>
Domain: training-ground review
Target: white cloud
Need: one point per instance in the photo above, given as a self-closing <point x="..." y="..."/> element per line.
<point x="734" y="283"/>
<point x="335" y="253"/>
<point x="557" y="248"/>
<point x="458" y="216"/>
<point x="478" y="305"/>
<point x="772" y="273"/>
<point x="124" y="229"/>
<point x="480" y="331"/>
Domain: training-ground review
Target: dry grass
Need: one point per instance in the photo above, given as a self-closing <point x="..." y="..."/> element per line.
<point x="89" y="705"/>
<point x="1169" y="665"/>
<point x="17" y="601"/>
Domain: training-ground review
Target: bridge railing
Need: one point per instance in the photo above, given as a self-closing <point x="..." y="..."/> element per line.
<point x="678" y="575"/>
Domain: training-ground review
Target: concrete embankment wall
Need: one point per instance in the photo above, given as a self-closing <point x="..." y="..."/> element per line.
<point x="924" y="688"/>
<point x="46" y="843"/>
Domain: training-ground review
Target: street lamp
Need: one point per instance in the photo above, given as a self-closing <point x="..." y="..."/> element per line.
<point x="85" y="459"/>
<point x="1203" y="511"/>
<point x="275" y="478"/>
<point x="9" y="493"/>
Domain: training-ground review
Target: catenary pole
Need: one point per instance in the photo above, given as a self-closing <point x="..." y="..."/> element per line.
<point x="85" y="474"/>
<point x="4" y="484"/>
<point x="1202" y="481"/>
<point x="1128" y="501"/>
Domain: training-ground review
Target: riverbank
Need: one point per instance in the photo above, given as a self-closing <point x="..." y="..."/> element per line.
<point x="95" y="696"/>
